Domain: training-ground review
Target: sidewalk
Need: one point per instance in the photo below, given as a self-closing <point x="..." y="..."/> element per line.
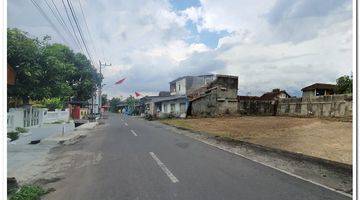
<point x="26" y="161"/>
<point x="71" y="137"/>
<point x="39" y="133"/>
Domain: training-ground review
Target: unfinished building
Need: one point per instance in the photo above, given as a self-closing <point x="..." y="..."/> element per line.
<point x="218" y="97"/>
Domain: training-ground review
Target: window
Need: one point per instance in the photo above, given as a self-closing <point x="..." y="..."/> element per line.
<point x="172" y="107"/>
<point x="320" y="92"/>
<point x="179" y="87"/>
<point x="182" y="107"/>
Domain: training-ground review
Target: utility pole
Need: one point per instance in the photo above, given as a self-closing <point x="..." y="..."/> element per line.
<point x="100" y="97"/>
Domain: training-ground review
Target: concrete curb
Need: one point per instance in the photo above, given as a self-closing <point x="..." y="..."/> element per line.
<point x="73" y="137"/>
<point x="347" y="168"/>
<point x="69" y="138"/>
<point x="87" y="126"/>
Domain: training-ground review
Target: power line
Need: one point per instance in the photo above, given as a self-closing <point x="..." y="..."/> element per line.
<point x="79" y="29"/>
<point x="87" y="28"/>
<point x="42" y="12"/>
<point x="72" y="26"/>
<point x="57" y="17"/>
<point x="62" y="22"/>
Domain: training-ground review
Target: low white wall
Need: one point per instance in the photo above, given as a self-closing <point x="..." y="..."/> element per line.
<point x="10" y="122"/>
<point x="57" y="115"/>
<point x="16" y="117"/>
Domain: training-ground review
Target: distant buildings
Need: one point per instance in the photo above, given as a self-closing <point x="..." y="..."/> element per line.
<point x="266" y="104"/>
<point x="218" y="97"/>
<point x="185" y="84"/>
<point x="318" y="89"/>
<point x="275" y="94"/>
<point x="194" y="89"/>
<point x="164" y="104"/>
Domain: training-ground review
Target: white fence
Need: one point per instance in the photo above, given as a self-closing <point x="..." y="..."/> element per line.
<point x="56" y="116"/>
<point x="34" y="117"/>
<point x="10" y="121"/>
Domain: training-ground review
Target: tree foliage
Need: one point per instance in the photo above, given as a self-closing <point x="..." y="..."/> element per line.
<point x="104" y="100"/>
<point x="52" y="103"/>
<point x="131" y="101"/>
<point x="45" y="70"/>
<point x="113" y="103"/>
<point x="131" y="105"/>
<point x="344" y="85"/>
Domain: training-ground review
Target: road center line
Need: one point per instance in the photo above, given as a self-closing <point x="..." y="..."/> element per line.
<point x="133" y="132"/>
<point x="164" y="168"/>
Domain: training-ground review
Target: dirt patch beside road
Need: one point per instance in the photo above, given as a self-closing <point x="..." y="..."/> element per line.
<point x="316" y="137"/>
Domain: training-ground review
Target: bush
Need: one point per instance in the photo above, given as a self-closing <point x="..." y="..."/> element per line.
<point x="52" y="103"/>
<point x="13" y="135"/>
<point x="58" y="122"/>
<point x="21" y="130"/>
<point x="28" y="192"/>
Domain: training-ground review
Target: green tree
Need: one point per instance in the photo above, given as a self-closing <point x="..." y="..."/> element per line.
<point x="131" y="104"/>
<point x="52" y="103"/>
<point x="113" y="103"/>
<point x="344" y="85"/>
<point x="58" y="68"/>
<point x="45" y="70"/>
<point x="86" y="78"/>
<point x="104" y="99"/>
<point x="23" y="55"/>
<point x="131" y="101"/>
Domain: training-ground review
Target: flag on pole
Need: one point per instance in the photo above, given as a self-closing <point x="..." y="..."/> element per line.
<point x="120" y="81"/>
<point x="137" y="94"/>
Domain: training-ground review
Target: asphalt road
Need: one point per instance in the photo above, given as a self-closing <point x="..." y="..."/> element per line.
<point x="141" y="160"/>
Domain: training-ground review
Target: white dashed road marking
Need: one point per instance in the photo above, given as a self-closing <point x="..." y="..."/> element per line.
<point x="133" y="132"/>
<point x="164" y="168"/>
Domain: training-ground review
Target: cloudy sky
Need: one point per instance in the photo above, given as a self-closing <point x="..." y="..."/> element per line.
<point x="285" y="44"/>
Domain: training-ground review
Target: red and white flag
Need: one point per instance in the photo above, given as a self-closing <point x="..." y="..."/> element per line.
<point x="120" y="81"/>
<point x="137" y="94"/>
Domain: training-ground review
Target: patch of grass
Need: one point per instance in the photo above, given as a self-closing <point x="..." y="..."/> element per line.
<point x="13" y="135"/>
<point x="177" y="122"/>
<point x="189" y="125"/>
<point x="58" y="122"/>
<point x="28" y="192"/>
<point x="21" y="130"/>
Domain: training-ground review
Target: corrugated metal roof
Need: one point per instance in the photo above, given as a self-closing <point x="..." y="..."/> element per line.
<point x="169" y="98"/>
<point x="319" y="86"/>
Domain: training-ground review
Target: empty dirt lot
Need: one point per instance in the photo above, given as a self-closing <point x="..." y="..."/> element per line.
<point x="322" y="138"/>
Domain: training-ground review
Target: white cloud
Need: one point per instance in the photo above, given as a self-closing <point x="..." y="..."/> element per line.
<point x="177" y="50"/>
<point x="273" y="43"/>
<point x="193" y="14"/>
<point x="291" y="65"/>
<point x="229" y="15"/>
<point x="285" y="44"/>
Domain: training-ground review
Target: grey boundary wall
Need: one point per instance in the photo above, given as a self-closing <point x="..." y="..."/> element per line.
<point x="256" y="107"/>
<point x="319" y="106"/>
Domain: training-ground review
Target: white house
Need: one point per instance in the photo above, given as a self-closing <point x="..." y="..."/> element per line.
<point x="185" y="84"/>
